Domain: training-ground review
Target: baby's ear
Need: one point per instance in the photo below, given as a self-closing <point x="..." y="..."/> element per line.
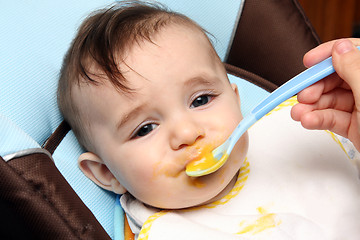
<point x="236" y="90"/>
<point x="95" y="169"/>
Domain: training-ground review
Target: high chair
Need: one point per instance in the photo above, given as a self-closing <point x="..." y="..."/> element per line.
<point x="43" y="194"/>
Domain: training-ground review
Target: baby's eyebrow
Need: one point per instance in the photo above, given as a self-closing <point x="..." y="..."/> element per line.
<point x="126" y="117"/>
<point x="199" y="80"/>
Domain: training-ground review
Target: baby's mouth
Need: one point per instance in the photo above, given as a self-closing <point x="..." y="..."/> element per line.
<point x="194" y="156"/>
<point x="196" y="153"/>
<point x="201" y="158"/>
<point x="204" y="161"/>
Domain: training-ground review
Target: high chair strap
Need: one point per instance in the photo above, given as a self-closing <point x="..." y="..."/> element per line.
<point x="250" y="77"/>
<point x="55" y="139"/>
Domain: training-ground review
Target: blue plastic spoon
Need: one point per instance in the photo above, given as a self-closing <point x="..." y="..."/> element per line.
<point x="212" y="161"/>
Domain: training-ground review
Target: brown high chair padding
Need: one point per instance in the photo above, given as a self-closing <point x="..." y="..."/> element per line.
<point x="36" y="202"/>
<point x="271" y="40"/>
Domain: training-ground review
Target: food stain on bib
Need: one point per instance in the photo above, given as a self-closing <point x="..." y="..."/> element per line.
<point x="266" y="221"/>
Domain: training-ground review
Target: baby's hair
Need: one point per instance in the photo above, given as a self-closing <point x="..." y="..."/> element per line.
<point x="99" y="46"/>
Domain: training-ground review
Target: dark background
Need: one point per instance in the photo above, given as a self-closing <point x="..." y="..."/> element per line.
<point x="333" y="19"/>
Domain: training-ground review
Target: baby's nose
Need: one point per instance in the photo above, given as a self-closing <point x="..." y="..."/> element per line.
<point x="186" y="133"/>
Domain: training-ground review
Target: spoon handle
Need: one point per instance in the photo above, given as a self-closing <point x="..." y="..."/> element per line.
<point x="284" y="92"/>
<point x="293" y="86"/>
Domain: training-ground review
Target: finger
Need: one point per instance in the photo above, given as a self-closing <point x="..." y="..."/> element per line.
<point x="299" y="110"/>
<point x="323" y="51"/>
<point x="318" y="54"/>
<point x="333" y="120"/>
<point x="338" y="99"/>
<point x="346" y="61"/>
<point x="313" y="93"/>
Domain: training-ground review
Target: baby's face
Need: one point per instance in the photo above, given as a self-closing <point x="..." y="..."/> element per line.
<point x="183" y="105"/>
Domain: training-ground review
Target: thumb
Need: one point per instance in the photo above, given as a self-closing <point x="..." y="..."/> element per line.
<point x="346" y="61"/>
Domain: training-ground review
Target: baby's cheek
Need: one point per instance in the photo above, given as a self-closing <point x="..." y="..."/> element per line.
<point x="135" y="176"/>
<point x="143" y="186"/>
<point x="161" y="169"/>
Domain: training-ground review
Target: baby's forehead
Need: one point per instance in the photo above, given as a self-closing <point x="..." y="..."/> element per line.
<point x="167" y="33"/>
<point x="133" y="52"/>
<point x="144" y="45"/>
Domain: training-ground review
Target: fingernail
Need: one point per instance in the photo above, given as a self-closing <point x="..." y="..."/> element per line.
<point x="344" y="47"/>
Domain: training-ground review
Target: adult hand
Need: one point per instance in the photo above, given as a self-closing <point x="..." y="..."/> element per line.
<point x="334" y="102"/>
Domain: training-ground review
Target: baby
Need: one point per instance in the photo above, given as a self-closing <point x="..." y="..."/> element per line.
<point x="144" y="91"/>
<point x="145" y="94"/>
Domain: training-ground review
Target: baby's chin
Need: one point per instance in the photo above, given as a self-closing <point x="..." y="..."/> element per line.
<point x="203" y="190"/>
<point x="196" y="202"/>
<point x="224" y="191"/>
<point x="228" y="173"/>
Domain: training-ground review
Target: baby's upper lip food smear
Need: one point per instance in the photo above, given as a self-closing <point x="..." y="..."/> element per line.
<point x="204" y="161"/>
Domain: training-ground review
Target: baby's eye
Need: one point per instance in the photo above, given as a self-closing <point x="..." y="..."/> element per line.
<point x="201" y="100"/>
<point x="145" y="130"/>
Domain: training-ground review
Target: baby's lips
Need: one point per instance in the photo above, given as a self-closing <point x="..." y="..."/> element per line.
<point x="191" y="155"/>
<point x="197" y="157"/>
<point x="190" y="161"/>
